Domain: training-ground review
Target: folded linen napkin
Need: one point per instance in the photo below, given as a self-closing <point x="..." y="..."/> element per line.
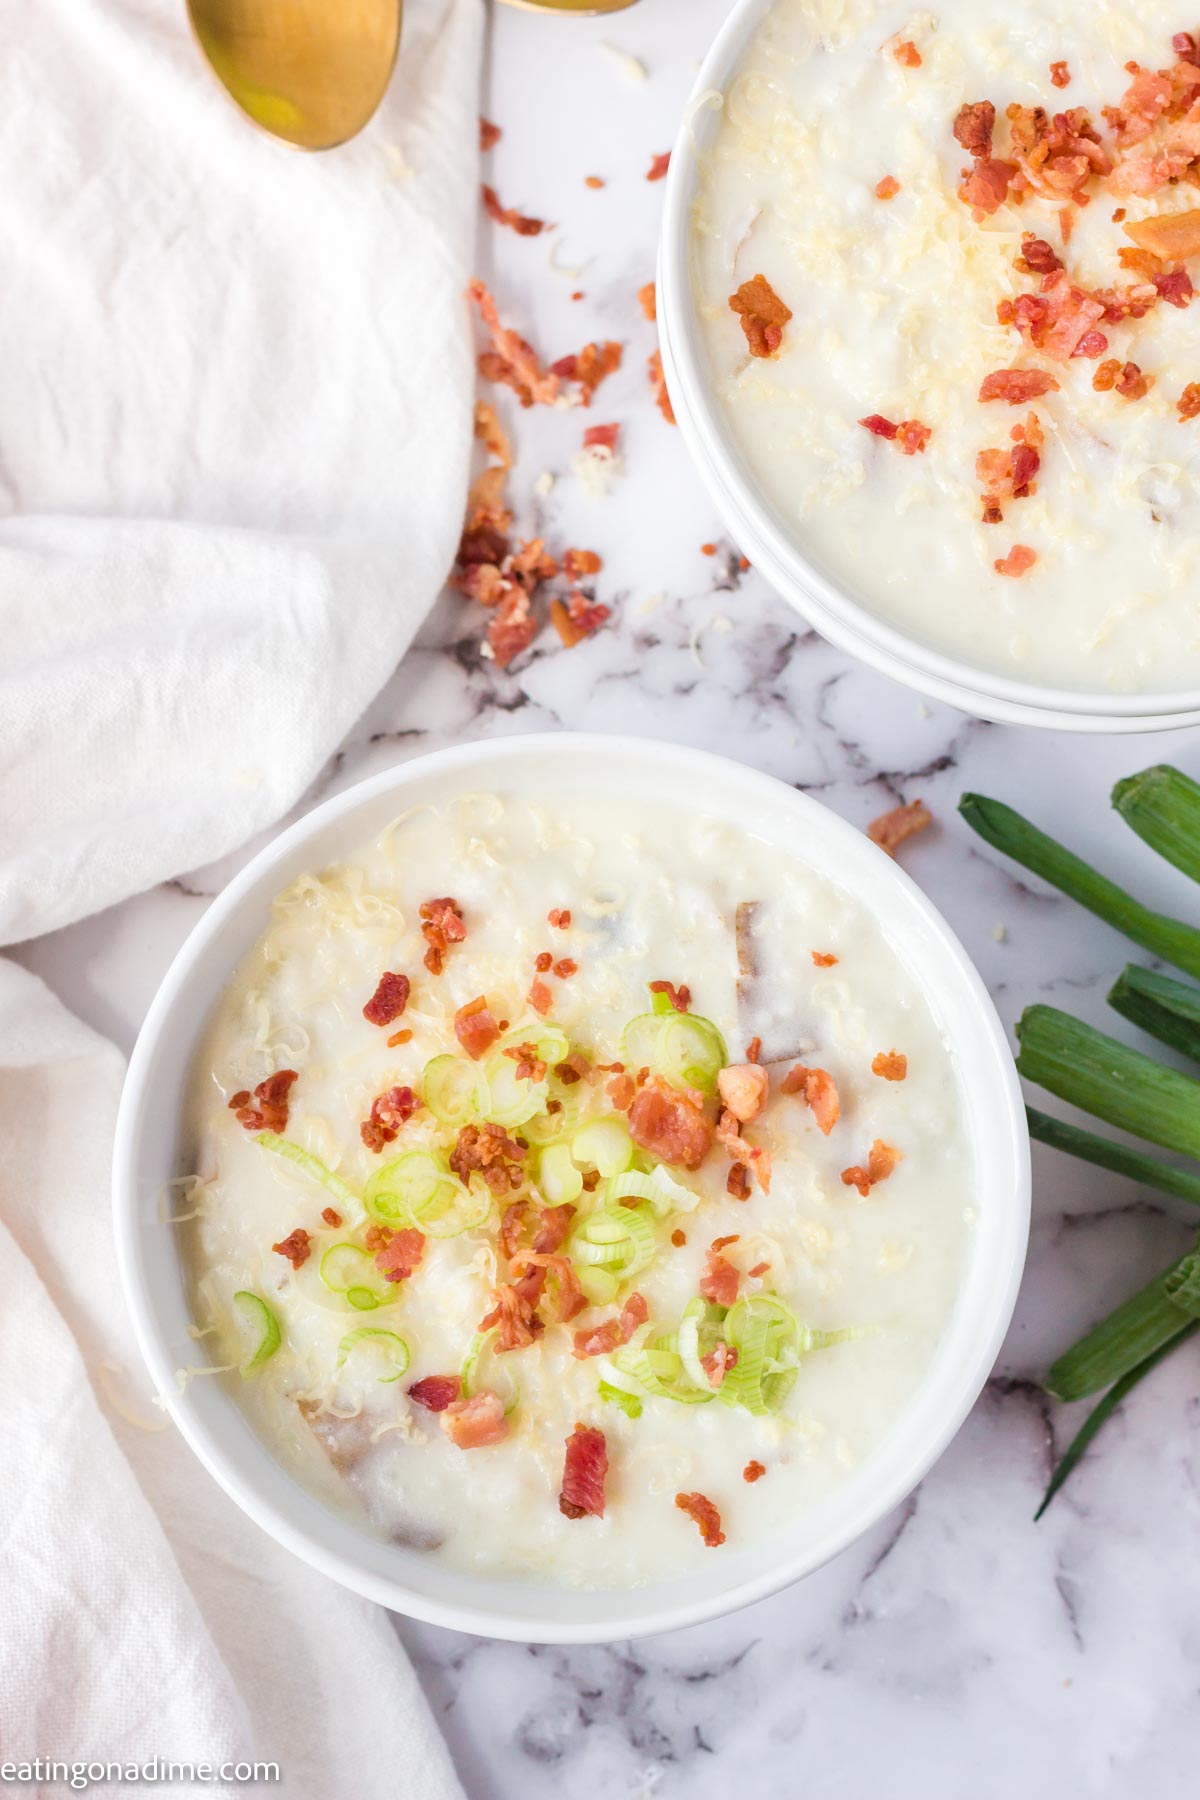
<point x="235" y="418"/>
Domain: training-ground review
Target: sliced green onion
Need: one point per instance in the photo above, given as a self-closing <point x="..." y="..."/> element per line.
<point x="454" y="1090"/>
<point x="1104" y="1410"/>
<point x="1163" y="806"/>
<point x="605" y="1145"/>
<point x="1007" y="831"/>
<point x="659" y="1187"/>
<point x="1106" y="1078"/>
<point x="599" y="1284"/>
<point x="629" y="1404"/>
<point x="373" y="1337"/>
<point x="1168" y="1009"/>
<point x="351" y="1272"/>
<point x="691" y="1052"/>
<point x="1138" y="1165"/>
<point x="658" y="1371"/>
<point x="469" y="1372"/>
<point x="260" y="1327"/>
<point x="617" y="1238"/>
<point x="1126" y="1338"/>
<point x="700" y="1330"/>
<point x="763" y="1331"/>
<point x="511" y="1100"/>
<point x="312" y="1165"/>
<point x="639" y="1041"/>
<point x="553" y="1045"/>
<point x="419" y="1189"/>
<point x="559" y="1178"/>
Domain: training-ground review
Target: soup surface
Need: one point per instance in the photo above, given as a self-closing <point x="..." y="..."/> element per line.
<point x="981" y="414"/>
<point x="577" y="1189"/>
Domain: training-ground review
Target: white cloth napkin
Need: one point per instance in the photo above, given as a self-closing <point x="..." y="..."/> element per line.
<point x="235" y="420"/>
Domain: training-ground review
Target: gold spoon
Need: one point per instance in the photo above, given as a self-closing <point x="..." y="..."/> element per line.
<point x="313" y="71"/>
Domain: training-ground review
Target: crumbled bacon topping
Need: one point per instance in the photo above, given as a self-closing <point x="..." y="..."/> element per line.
<point x="909" y="434"/>
<point x="893" y="828"/>
<point x="1188" y="402"/>
<point x="1125" y="379"/>
<point x="621" y="1091"/>
<point x="678" y="1238"/>
<point x="475" y="1028"/>
<point x="1019" y="560"/>
<point x="881" y="1160"/>
<point x="702" y="1510"/>
<point x="442" y="925"/>
<point x="890" y="1065"/>
<point x="1060" y="75"/>
<point x="753" y="1471"/>
<point x="296" y="1246"/>
<point x="720" y="1279"/>
<point x="389" y="1111"/>
<point x="543" y="961"/>
<point x="743" y="1088"/>
<point x="610" y="1334"/>
<point x="680" y="997"/>
<point x="907" y="54"/>
<point x="754" y="1050"/>
<point x="475" y="1423"/>
<point x="887" y="189"/>
<point x="823" y="959"/>
<point x="553" y="1224"/>
<point x="763" y="315"/>
<point x="489" y="135"/>
<point x="818" y="1088"/>
<point x="540" y="997"/>
<point x="647" y="301"/>
<point x="974" y="124"/>
<point x="267" y="1110"/>
<point x="584" y="1469"/>
<point x="670" y="1125"/>
<point x="487" y="1150"/>
<point x="512" y="1223"/>
<point x="1017" y="386"/>
<point x="565" y="967"/>
<point x="718" y="1362"/>
<point x="514" y="1313"/>
<point x="530" y="1066"/>
<point x="984" y="188"/>
<point x="736" y="1147"/>
<point x="659" y="165"/>
<point x="560" y="918"/>
<point x="389" y="999"/>
<point x="521" y="223"/>
<point x="402" y="1253"/>
<point x="658" y="382"/>
<point x="536" y="1265"/>
<point x="435" y="1392"/>
<point x="1037" y="257"/>
<point x="332" y="1217"/>
<point x="737" y="1182"/>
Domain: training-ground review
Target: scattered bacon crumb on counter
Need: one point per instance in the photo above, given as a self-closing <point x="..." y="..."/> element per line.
<point x="708" y="549"/>
<point x="593" y="181"/>
<point x="521" y="223"/>
<point x="706" y="1516"/>
<point x="890" y="1065"/>
<point x="753" y="1471"/>
<point x="511" y="360"/>
<point x="389" y="999"/>
<point x="584" y="1469"/>
<point x="598" y="438"/>
<point x="887" y="189"/>
<point x="435" y="1392"/>
<point x="647" y="301"/>
<point x="658" y="382"/>
<point x="489" y="134"/>
<point x="763" y="315"/>
<point x="823" y="959"/>
<point x="1018" y="562"/>
<point x="891" y="829"/>
<point x="296" y="1247"/>
<point x="658" y="166"/>
<point x="267" y="1109"/>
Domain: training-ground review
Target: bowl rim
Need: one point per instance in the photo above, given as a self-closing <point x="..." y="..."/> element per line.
<point x="523" y="1623"/>
<point x="845" y="621"/>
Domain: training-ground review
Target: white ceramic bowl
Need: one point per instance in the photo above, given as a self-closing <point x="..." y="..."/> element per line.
<point x="760" y="531"/>
<point x="149" y="1152"/>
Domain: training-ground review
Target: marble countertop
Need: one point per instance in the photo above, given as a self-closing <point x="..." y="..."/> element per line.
<point x="960" y="1649"/>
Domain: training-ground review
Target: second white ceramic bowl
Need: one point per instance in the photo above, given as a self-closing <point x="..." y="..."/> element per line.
<point x="756" y="527"/>
<point x="150" y="1151"/>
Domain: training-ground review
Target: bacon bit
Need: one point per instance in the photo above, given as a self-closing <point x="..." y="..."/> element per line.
<point x="1173" y="236"/>
<point x="744" y="564"/>
<point x="389" y="999"/>
<point x="540" y="997"/>
<point x="399" y="1037"/>
<point x="754" y="1050"/>
<point x="610" y="1334"/>
<point x="719" y="1282"/>
<point x="1017" y="386"/>
<point x="737" y="1182"/>
<point x="331" y="1217"/>
<point x="376" y="1236"/>
<point x="823" y="959"/>
<point x="760" y="1268"/>
<point x="271" y="1113"/>
<point x="763" y="315"/>
<point x="891" y="829"/>
<point x="514" y="1314"/>
<point x="512" y="1223"/>
<point x="593" y="181"/>
<point x="602" y="441"/>
<point x="538" y="1264"/>
<point x="1125" y="378"/>
<point x="389" y="1111"/>
<point x="542" y="961"/>
<point x="576" y="619"/>
<point x="530" y="1066"/>
<point x="296" y="1246"/>
<point x="1175" y="287"/>
<point x="565" y="967"/>
<point x="880" y="1163"/>
<point x="442" y="926"/>
<point x="473" y="1424"/>
<point x="1060" y="75"/>
<point x="718" y="1362"/>
<point x="659" y="165"/>
<point x="879" y="426"/>
<point x="560" y="918"/>
<point x="578" y="294"/>
<point x="702" y="1510"/>
<point x="680" y="997"/>
<point x="489" y="136"/>
<point x="1037" y="256"/>
<point x="577" y="563"/>
<point x="488" y="1150"/>
<point x="400" y="1255"/>
<point x="593" y="364"/>
<point x="887" y="189"/>
<point x="708" y="549"/>
<point x="973" y="127"/>
<point x="678" y="1238"/>
<point x="1019" y="559"/>
<point x="753" y="1471"/>
<point x="658" y="382"/>
<point x="511" y="360"/>
<point x="913" y="436"/>
<point x="1184" y="46"/>
<point x="818" y="1088"/>
<point x="584" y="1469"/>
<point x="671" y="1125"/>
<point x="907" y="54"/>
<point x="507" y="215"/>
<point x="621" y="1090"/>
<point x="553" y="1224"/>
<point x="890" y="1065"/>
<point x="739" y="1150"/>
<point x="647" y="301"/>
<point x="475" y="1028"/>
<point x="435" y="1392"/>
<point x="572" y="1070"/>
<point x="985" y="188"/>
<point x="1188" y="402"/>
<point x="744" y="1088"/>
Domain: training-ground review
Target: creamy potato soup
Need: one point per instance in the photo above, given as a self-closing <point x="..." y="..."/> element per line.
<point x="943" y="261"/>
<point x="578" y="1189"/>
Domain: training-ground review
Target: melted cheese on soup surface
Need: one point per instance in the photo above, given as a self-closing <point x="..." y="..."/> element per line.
<point x="894" y="305"/>
<point x="653" y="898"/>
